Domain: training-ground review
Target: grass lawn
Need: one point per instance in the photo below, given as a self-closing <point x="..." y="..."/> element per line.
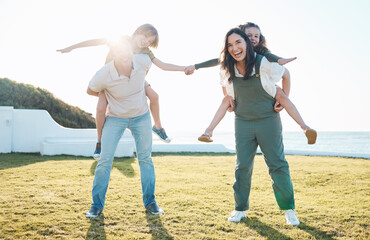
<point x="45" y="197"/>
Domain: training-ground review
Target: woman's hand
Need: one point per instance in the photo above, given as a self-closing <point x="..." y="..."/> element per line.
<point x="278" y="107"/>
<point x="231" y="102"/>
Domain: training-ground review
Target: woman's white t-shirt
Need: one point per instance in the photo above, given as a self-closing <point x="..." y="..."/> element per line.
<point x="270" y="74"/>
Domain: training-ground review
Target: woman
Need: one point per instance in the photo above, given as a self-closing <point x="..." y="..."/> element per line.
<point x="256" y="123"/>
<point x="258" y="40"/>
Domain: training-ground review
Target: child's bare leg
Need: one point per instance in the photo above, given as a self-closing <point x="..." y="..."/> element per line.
<point x="154" y="109"/>
<point x="284" y="100"/>
<point x="101" y="109"/>
<point x="154" y="106"/>
<point x="220" y="114"/>
<point x="221" y="111"/>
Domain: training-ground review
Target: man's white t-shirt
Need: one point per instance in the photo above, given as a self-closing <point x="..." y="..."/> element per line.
<point x="126" y="95"/>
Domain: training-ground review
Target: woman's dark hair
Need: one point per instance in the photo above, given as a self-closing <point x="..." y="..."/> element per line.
<point x="148" y="30"/>
<point x="261" y="48"/>
<point x="228" y="62"/>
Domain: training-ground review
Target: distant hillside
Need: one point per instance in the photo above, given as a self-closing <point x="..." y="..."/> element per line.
<point x="26" y="96"/>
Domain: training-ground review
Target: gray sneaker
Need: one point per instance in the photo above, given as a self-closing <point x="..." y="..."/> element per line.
<point x="153" y="208"/>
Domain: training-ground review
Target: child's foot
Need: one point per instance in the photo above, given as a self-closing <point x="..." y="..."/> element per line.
<point x="161" y="133"/>
<point x="206" y="137"/>
<point x="96" y="154"/>
<point x="311" y="135"/>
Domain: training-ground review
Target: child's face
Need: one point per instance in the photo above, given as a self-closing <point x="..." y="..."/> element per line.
<point x="254" y="35"/>
<point x="144" y="41"/>
<point x="237" y="47"/>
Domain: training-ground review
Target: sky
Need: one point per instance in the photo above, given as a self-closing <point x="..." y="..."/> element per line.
<point x="329" y="80"/>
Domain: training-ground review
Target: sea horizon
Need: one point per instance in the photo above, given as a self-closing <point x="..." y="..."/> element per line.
<point x="353" y="144"/>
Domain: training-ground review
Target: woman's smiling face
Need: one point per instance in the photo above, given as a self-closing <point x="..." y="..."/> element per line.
<point x="237" y="47"/>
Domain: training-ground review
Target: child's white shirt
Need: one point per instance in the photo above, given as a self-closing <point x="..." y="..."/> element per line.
<point x="270" y="74"/>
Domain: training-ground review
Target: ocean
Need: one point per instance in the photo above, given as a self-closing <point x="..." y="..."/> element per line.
<point x="341" y="144"/>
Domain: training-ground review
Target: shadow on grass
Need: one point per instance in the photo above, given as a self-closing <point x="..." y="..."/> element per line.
<point x="124" y="165"/>
<point x="96" y="229"/>
<point x="156" y="227"/>
<point x="263" y="229"/>
<point x="155" y="154"/>
<point x="14" y="160"/>
<point x="316" y="233"/>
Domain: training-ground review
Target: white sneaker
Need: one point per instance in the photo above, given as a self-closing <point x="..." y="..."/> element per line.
<point x="291" y="217"/>
<point x="96" y="157"/>
<point x="236" y="216"/>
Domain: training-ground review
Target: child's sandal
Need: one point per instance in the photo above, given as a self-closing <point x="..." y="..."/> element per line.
<point x="311" y="136"/>
<point x="205" y="137"/>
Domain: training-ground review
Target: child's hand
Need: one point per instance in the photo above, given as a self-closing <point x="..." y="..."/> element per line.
<point x="283" y="61"/>
<point x="189" y="70"/>
<point x="278" y="107"/>
<point x="64" y="50"/>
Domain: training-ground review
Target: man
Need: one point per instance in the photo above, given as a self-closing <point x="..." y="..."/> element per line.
<point x="123" y="81"/>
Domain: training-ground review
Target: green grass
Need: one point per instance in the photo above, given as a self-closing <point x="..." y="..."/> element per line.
<point x="43" y="197"/>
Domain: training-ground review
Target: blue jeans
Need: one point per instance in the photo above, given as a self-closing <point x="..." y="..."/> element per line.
<point x="141" y="129"/>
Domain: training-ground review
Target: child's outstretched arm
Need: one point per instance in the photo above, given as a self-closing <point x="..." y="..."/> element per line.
<point x="283" y="61"/>
<point x="210" y="63"/>
<point x="167" y="66"/>
<point x="88" y="43"/>
<point x="273" y="58"/>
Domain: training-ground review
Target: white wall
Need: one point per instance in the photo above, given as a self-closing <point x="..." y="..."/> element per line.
<point x="6" y="129"/>
<point x="35" y="131"/>
<point x="24" y="130"/>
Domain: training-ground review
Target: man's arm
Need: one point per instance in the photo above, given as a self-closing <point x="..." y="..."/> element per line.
<point x="91" y="92"/>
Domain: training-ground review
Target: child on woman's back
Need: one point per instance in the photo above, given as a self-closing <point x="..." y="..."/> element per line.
<point x="281" y="95"/>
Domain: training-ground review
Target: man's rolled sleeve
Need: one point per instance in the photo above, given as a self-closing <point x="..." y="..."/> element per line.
<point x="98" y="82"/>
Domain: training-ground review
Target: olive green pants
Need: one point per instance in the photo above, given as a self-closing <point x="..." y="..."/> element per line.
<point x="267" y="133"/>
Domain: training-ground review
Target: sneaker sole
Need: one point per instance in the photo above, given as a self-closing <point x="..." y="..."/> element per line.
<point x="156" y="213"/>
<point x="168" y="140"/>
<point x="296" y="224"/>
<point x="205" y="139"/>
<point x="235" y="221"/>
